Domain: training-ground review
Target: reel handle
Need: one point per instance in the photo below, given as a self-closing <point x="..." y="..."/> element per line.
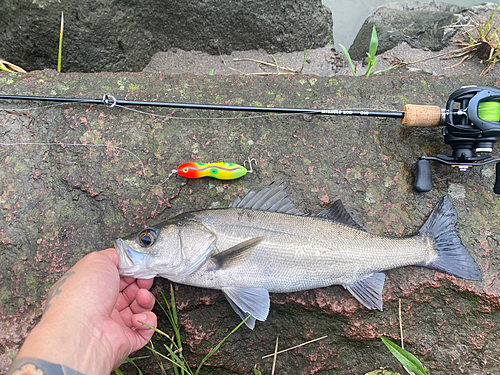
<point x="426" y="116"/>
<point x="496" y="187"/>
<point x="422" y="182"/>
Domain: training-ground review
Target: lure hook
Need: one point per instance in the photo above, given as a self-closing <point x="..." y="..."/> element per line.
<point x="249" y="161"/>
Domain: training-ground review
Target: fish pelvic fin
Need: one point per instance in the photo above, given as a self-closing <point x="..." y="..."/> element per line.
<point x="249" y="301"/>
<point x="236" y="254"/>
<point x="452" y="256"/>
<point x="368" y="291"/>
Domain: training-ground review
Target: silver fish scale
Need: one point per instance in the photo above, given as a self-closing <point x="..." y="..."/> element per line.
<point x="300" y="252"/>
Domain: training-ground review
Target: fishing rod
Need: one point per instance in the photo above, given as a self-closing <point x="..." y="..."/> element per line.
<point x="110" y="101"/>
<point x="471" y="121"/>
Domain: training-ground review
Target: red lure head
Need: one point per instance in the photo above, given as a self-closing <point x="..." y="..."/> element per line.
<point x="190" y="170"/>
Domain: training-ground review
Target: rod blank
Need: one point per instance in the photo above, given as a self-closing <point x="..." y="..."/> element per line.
<point x="110" y="101"/>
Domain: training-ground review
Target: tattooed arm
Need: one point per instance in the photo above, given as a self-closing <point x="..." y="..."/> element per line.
<point x="36" y="366"/>
<point x="91" y="321"/>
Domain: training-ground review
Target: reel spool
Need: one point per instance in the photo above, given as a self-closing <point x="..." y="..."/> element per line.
<point x="471" y="123"/>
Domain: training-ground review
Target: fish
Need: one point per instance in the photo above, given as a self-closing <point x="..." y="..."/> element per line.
<point x="264" y="244"/>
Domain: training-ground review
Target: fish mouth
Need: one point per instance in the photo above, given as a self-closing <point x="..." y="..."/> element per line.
<point x="130" y="261"/>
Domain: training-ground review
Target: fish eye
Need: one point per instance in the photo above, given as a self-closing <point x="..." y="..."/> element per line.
<point x="185" y="169"/>
<point x="147" y="237"/>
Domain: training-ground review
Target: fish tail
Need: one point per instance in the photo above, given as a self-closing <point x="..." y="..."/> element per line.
<point x="452" y="256"/>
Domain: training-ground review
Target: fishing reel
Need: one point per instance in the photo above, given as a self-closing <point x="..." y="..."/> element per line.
<point x="471" y="123"/>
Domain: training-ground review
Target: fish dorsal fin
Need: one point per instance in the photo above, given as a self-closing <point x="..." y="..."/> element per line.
<point x="236" y="254"/>
<point x="337" y="212"/>
<point x="249" y="301"/>
<point x="273" y="198"/>
<point x="369" y="290"/>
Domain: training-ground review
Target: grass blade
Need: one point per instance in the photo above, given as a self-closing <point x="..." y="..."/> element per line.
<point x="256" y="371"/>
<point x="174" y="308"/>
<point x="178" y="361"/>
<point x="175" y="319"/>
<point x="59" y="56"/>
<point x="131" y="361"/>
<point x="305" y="58"/>
<point x="484" y="33"/>
<point x="388" y="69"/>
<point x="219" y="345"/>
<point x="408" y="360"/>
<point x="348" y="59"/>
<point x="12" y="356"/>
<point x="171" y="313"/>
<point x="170" y="359"/>
<point x="372" y="50"/>
<point x="158" y="361"/>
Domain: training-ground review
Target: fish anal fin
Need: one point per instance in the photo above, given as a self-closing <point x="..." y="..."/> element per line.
<point x="249" y="301"/>
<point x="337" y="212"/>
<point x="368" y="291"/>
<point x="236" y="254"/>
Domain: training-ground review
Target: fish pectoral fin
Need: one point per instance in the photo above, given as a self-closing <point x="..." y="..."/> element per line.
<point x="369" y="291"/>
<point x="249" y="301"/>
<point x="236" y="254"/>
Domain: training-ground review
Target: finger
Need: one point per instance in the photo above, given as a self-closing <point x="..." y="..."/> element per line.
<point x="112" y="255"/>
<point x="118" y="317"/>
<point x="145" y="317"/>
<point x="122" y="303"/>
<point x="124" y="317"/>
<point x="141" y="334"/>
<point x="130" y="292"/>
<point x="144" y="302"/>
<point x="145" y="283"/>
<point x="126" y="281"/>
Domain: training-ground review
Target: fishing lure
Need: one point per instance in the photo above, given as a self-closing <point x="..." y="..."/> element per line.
<point x="220" y="170"/>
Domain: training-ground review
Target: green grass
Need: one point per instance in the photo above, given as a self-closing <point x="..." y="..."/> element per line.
<point x="372" y="50"/>
<point x="372" y="59"/>
<point x="12" y="356"/>
<point x="175" y="350"/>
<point x="59" y="55"/>
<point x="408" y="360"/>
<point x="131" y="361"/>
<point x="306" y="53"/>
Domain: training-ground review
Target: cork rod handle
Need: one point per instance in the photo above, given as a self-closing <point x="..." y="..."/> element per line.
<point x="426" y="116"/>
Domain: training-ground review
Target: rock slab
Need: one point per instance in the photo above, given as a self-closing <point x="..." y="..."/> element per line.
<point x="61" y="201"/>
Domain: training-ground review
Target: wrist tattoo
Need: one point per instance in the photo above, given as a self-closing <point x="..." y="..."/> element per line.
<point x="36" y="366"/>
<point x="56" y="289"/>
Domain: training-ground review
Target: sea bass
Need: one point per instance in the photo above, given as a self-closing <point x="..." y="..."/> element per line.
<point x="263" y="244"/>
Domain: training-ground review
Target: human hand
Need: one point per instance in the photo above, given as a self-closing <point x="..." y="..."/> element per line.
<point x="91" y="321"/>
